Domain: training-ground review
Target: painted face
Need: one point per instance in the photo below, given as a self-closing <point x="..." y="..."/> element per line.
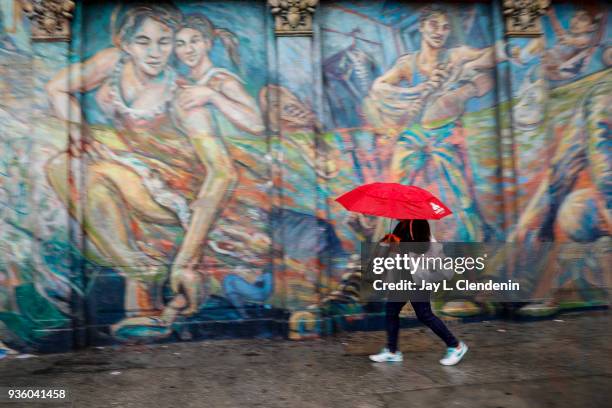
<point x="581" y="23"/>
<point x="191" y="46"/>
<point x="151" y="47"/>
<point x="435" y="30"/>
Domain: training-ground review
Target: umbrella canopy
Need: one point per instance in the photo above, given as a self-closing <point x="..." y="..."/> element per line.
<point x="394" y="200"/>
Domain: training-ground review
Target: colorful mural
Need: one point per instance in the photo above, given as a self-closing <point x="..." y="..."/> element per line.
<point x="170" y="173"/>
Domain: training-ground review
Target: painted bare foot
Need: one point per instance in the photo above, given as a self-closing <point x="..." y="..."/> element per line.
<point x="141" y="328"/>
<point x="151" y="327"/>
<point x="461" y="308"/>
<point x="540" y="309"/>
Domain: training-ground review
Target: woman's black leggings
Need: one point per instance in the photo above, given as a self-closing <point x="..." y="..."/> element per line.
<point x="425" y="316"/>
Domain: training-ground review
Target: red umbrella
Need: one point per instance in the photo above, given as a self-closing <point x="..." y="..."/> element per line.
<point x="394" y="200"/>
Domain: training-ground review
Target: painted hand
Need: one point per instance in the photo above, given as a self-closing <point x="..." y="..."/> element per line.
<point x="393" y="93"/>
<point x="79" y="143"/>
<point x="381" y="90"/>
<point x="75" y="146"/>
<point x="439" y="75"/>
<point x="193" y="96"/>
<point x="414" y="109"/>
<point x="186" y="280"/>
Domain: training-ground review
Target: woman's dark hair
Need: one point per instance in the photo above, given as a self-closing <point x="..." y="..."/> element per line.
<point x="420" y="233"/>
<point x="429" y="11"/>
<point x="201" y="23"/>
<point x="123" y="27"/>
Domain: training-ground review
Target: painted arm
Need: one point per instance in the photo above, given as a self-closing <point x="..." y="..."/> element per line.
<point x="477" y="58"/>
<point x="554" y="21"/>
<point x="75" y="78"/>
<point x="532" y="50"/>
<point x="232" y="100"/>
<point x="578" y="41"/>
<point x="221" y="177"/>
<point x="387" y="83"/>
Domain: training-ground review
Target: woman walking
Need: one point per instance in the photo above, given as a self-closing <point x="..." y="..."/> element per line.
<point x="417" y="231"/>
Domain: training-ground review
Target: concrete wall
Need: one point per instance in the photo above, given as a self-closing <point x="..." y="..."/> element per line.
<point x="170" y="172"/>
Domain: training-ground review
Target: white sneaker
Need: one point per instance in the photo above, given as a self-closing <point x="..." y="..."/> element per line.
<point x="386" y="355"/>
<point x="454" y="354"/>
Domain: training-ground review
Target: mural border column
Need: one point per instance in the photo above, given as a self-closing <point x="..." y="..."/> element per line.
<point x="521" y="19"/>
<point x="293" y="18"/>
<point x="51" y="35"/>
<point x="296" y="61"/>
<point x="50" y="19"/>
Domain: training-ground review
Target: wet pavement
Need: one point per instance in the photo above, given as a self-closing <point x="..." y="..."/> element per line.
<point x="549" y="363"/>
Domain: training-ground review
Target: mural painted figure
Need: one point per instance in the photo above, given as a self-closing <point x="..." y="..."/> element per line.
<point x="149" y="185"/>
<point x="575" y="46"/>
<point x="567" y="209"/>
<point x="571" y="50"/>
<point x="430" y="150"/>
<point x="571" y="203"/>
<point x="216" y="97"/>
